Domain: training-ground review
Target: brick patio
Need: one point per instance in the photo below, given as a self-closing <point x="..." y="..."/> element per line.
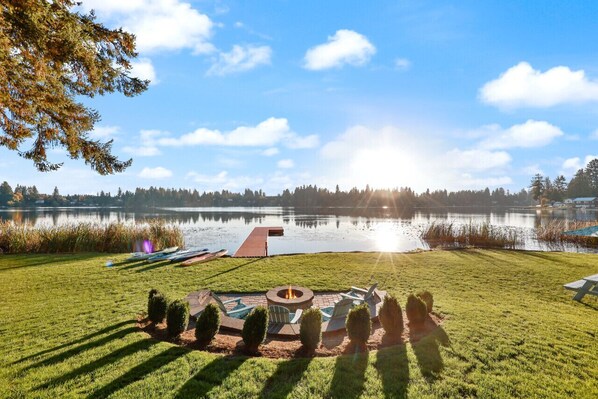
<point x="321" y="299"/>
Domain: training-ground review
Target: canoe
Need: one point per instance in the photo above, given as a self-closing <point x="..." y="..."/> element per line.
<point x="205" y="258"/>
<point x="187" y="254"/>
<point x="161" y="255"/>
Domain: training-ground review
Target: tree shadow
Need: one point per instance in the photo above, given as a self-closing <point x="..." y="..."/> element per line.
<point x="82" y="339"/>
<point x="32" y="260"/>
<point x="284" y="379"/>
<point x="153" y="266"/>
<point x="349" y="376"/>
<point x="427" y="352"/>
<point x="393" y="368"/>
<point x="233" y="268"/>
<point x="140" y="371"/>
<point x="210" y="376"/>
<point x="78" y="349"/>
<point x="105" y="360"/>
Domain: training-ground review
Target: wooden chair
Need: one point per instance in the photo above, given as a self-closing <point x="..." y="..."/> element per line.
<point x="282" y="315"/>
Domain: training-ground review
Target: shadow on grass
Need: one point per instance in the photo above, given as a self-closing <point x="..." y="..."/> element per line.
<point x="393" y="368"/>
<point x="232" y="269"/>
<point x="44" y="259"/>
<point x="108" y="359"/>
<point x="284" y="379"/>
<point x="78" y="349"/>
<point x="349" y="376"/>
<point x="210" y="376"/>
<point x="140" y="371"/>
<point x="154" y="265"/>
<point x="427" y="352"/>
<point x="78" y="341"/>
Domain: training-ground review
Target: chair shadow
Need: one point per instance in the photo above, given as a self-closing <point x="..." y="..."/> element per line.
<point x="427" y="352"/>
<point x="60" y="357"/>
<point x="77" y="341"/>
<point x="349" y="376"/>
<point x="140" y="371"/>
<point x="233" y="268"/>
<point x="127" y="350"/>
<point x="210" y="376"/>
<point x="287" y="375"/>
<point x="393" y="367"/>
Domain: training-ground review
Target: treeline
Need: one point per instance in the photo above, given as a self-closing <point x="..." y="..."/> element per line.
<point x="300" y="197"/>
<point x="583" y="184"/>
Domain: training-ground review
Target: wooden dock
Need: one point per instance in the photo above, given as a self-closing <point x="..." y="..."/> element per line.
<point x="256" y="244"/>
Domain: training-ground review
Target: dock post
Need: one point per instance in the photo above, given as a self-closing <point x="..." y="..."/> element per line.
<point x="266" y="246"/>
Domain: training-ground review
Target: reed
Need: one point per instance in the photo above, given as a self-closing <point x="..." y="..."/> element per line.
<point x="115" y="237"/>
<point x="481" y="235"/>
<point x="552" y="232"/>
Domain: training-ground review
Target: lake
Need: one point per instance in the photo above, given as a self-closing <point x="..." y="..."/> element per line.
<point x="331" y="229"/>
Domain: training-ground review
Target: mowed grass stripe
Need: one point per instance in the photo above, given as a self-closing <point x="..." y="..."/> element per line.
<point x="510" y="328"/>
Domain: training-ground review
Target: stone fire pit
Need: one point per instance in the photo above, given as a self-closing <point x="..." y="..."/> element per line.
<point x="291" y="297"/>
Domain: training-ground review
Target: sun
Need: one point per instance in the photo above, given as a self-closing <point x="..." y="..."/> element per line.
<point x="386" y="238"/>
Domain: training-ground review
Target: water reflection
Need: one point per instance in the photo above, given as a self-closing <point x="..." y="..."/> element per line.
<point x="328" y="229"/>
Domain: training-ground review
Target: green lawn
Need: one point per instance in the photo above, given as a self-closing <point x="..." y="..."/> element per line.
<point x="67" y="328"/>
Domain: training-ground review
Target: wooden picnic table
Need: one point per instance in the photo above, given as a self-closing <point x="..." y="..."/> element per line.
<point x="587" y="285"/>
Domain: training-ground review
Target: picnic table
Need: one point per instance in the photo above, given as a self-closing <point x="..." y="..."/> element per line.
<point x="587" y="285"/>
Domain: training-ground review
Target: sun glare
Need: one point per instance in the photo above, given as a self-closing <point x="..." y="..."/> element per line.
<point x="386" y="237"/>
<point x="382" y="168"/>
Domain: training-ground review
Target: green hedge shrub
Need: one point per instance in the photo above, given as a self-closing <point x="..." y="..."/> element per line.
<point x="391" y="316"/>
<point x="416" y="310"/>
<point x="428" y="299"/>
<point x="255" y="328"/>
<point x="151" y="293"/>
<point x="177" y="317"/>
<point x="207" y="324"/>
<point x="157" y="305"/>
<point x="359" y="324"/>
<point x="310" y="330"/>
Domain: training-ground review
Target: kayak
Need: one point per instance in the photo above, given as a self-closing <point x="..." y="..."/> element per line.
<point x="146" y="255"/>
<point x="187" y="254"/>
<point x="161" y="255"/>
<point x="205" y="258"/>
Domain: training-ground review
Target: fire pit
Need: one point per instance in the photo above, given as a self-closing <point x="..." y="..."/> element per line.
<point x="291" y="297"/>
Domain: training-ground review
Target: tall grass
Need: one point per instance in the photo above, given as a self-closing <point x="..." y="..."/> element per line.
<point x="86" y="237"/>
<point x="552" y="232"/>
<point x="482" y="235"/>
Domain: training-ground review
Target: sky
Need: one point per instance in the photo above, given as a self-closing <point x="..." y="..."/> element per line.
<point x="277" y="94"/>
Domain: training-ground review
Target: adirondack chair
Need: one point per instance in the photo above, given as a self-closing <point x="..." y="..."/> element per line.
<point x="340" y="309"/>
<point x="280" y="314"/>
<point x="239" y="311"/>
<point x="586" y="286"/>
<point x="359" y="294"/>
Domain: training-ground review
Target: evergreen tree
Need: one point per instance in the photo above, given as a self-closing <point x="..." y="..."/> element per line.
<point x="51" y="54"/>
<point x="592" y="175"/>
<point x="579" y="186"/>
<point x="6" y="193"/>
<point x="537" y="186"/>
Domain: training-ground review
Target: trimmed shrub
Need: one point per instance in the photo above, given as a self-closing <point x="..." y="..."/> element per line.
<point x="151" y="293"/>
<point x="208" y="324"/>
<point x="428" y="299"/>
<point x="391" y="316"/>
<point x="157" y="306"/>
<point x="310" y="330"/>
<point x="255" y="328"/>
<point x="359" y="324"/>
<point x="177" y="317"/>
<point x="416" y="310"/>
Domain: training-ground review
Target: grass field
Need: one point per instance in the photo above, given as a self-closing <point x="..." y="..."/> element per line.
<point x="67" y="328"/>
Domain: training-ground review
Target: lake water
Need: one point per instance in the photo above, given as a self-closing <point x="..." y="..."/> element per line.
<point x="304" y="231"/>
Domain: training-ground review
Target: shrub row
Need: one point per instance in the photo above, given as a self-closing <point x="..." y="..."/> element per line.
<point x="176" y="312"/>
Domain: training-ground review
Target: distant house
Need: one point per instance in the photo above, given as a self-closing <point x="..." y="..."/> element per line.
<point x="585" y="202"/>
<point x="40" y="202"/>
<point x="569" y="201"/>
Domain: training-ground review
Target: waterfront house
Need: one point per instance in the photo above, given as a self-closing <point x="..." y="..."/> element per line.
<point x="585" y="202"/>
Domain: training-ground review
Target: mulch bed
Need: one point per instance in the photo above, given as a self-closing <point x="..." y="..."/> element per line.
<point x="332" y="344"/>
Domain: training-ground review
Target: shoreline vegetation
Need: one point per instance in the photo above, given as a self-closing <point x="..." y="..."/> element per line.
<point x="119" y="237"/>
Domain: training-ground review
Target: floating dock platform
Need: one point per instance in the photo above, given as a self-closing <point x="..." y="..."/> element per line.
<point x="256" y="244"/>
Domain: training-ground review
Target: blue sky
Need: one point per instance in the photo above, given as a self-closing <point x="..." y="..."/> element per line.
<point x="272" y="95"/>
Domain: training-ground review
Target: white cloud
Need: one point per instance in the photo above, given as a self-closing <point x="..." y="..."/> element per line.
<point x="477" y="182"/>
<point x="270" y="151"/>
<point x="531" y="170"/>
<point x="526" y="135"/>
<point x="159" y="24"/>
<point x="144" y="69"/>
<point x="477" y="159"/>
<point x="572" y="165"/>
<point x="344" y="47"/>
<point x="266" y="134"/>
<point x="523" y="86"/>
<point x="240" y="59"/>
<point x="142" y="151"/>
<point x="104" y="132"/>
<point x="402" y="64"/>
<point x="222" y="180"/>
<point x="285" y="164"/>
<point x="594" y="135"/>
<point x="147" y="144"/>
<point x="155" y="173"/>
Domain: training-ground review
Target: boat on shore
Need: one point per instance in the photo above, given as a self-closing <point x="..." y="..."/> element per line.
<point x="136" y="256"/>
<point x="205" y="258"/>
<point x="186" y="254"/>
